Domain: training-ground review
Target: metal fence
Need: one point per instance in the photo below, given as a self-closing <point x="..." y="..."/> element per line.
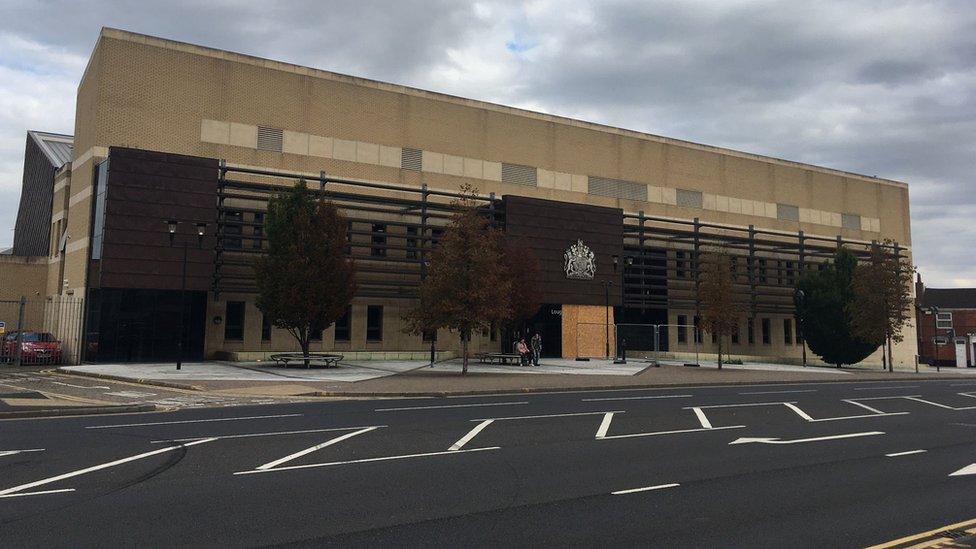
<point x="41" y="331"/>
<point x="600" y="340"/>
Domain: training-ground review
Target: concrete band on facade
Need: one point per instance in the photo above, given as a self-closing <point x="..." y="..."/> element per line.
<point x="165" y="129"/>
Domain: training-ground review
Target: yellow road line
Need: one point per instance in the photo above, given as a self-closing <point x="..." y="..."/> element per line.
<point x="906" y="539"/>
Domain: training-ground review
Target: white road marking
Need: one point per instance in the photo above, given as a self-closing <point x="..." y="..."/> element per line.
<point x="884" y="388"/>
<point x="471" y="434"/>
<point x="307" y="451"/>
<point x="636" y="398"/>
<point x="676" y="432"/>
<point x="604" y="425"/>
<point x="548" y="415"/>
<point x="12" y="452"/>
<point x="82" y="386"/>
<point x="908" y="453"/>
<point x="798" y="411"/>
<point x="99" y="467"/>
<point x="645" y="489"/>
<point x="450" y="406"/>
<point x="744" y="405"/>
<point x="943" y="406"/>
<point x="269" y="434"/>
<point x="865" y="406"/>
<point x="702" y="419"/>
<point x="767" y="440"/>
<point x="967" y="470"/>
<point x="37" y="493"/>
<point x="963" y="385"/>
<point x="779" y="392"/>
<point x="189" y="421"/>
<point x="889" y="397"/>
<point x="366" y="460"/>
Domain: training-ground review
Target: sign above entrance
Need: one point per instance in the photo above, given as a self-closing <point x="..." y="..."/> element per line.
<point x="580" y="262"/>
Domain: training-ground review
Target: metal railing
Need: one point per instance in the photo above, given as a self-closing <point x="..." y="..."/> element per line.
<point x="41" y="331"/>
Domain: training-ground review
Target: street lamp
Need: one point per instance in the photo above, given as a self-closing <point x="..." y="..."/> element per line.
<point x="606" y="294"/>
<point x="800" y="297"/>
<point x="172" y="226"/>
<point x="935" y="337"/>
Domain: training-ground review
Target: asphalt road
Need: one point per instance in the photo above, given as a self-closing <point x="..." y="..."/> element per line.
<point x="837" y="464"/>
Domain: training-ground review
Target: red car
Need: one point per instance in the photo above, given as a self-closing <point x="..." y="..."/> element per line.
<point x="35" y="348"/>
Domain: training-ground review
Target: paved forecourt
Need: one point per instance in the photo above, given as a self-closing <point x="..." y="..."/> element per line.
<point x="808" y="463"/>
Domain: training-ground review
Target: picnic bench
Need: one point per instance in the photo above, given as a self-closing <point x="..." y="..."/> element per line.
<point x="314" y="359"/>
<point x="500" y="358"/>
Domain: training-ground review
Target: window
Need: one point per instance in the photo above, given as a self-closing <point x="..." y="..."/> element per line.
<point x="767" y="336"/>
<point x="943" y="321"/>
<point x="698" y="330"/>
<point x="411" y="159"/>
<point x="616" y="188"/>
<point x="735" y="335"/>
<point x="688" y="199"/>
<point x="316" y="335"/>
<point x="379" y="240"/>
<point x="342" y="326"/>
<point x="519" y="175"/>
<point x="232" y="230"/>
<point x="714" y="337"/>
<point x="349" y="237"/>
<point x="435" y="236"/>
<point x="680" y="264"/>
<point x="258" y="230"/>
<point x="98" y="219"/>
<point x="790" y="274"/>
<point x="762" y="271"/>
<point x="787" y="331"/>
<point x="751" y="328"/>
<point x="234" y="321"/>
<point x="412" y="243"/>
<point x="270" y="139"/>
<point x="265" y="328"/>
<point x="682" y="329"/>
<point x="374" y="323"/>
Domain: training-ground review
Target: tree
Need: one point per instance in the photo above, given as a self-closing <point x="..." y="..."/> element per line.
<point x="306" y="281"/>
<point x="465" y="288"/>
<point x="824" y="313"/>
<point x="882" y="304"/>
<point x="521" y="267"/>
<point x="716" y="293"/>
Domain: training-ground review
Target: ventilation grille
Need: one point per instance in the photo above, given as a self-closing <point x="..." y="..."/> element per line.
<point x="787" y="212"/>
<point x="411" y="159"/>
<point x="269" y="139"/>
<point x="519" y="174"/>
<point x="850" y="221"/>
<point x="688" y="199"/>
<point x="616" y="188"/>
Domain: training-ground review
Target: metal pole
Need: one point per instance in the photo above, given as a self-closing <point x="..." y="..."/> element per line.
<point x="606" y="288"/>
<point x="179" y="357"/>
<point x="20" y="331"/>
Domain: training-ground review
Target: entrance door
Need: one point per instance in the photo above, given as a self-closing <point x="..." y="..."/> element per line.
<point x="549" y="323"/>
<point x="960" y="352"/>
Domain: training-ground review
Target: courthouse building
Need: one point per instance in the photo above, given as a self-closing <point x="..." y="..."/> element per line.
<point x="167" y="130"/>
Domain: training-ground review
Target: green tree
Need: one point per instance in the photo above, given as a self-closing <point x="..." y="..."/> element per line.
<point x="716" y="293"/>
<point x="882" y="304"/>
<point x="466" y="287"/>
<point x="305" y="281"/>
<point x="825" y="313"/>
<point x="521" y="267"/>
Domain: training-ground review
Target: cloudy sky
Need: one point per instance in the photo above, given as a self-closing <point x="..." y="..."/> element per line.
<point x="883" y="87"/>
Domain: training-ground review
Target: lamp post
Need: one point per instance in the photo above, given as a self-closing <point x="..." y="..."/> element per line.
<point x="172" y="225"/>
<point x="800" y="296"/>
<point x="606" y="294"/>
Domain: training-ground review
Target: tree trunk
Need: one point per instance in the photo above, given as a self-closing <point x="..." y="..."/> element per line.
<point x="464" y="353"/>
<point x="891" y="364"/>
<point x="304" y="341"/>
<point x="884" y="359"/>
<point x="719" y="352"/>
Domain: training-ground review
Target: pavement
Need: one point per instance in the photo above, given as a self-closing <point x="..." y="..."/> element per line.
<point x="824" y="463"/>
<point x="417" y="378"/>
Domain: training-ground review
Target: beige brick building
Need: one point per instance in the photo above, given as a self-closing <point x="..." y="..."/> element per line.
<point x="246" y="113"/>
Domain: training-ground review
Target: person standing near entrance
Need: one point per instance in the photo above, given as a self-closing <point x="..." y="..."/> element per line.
<point x="536" y="348"/>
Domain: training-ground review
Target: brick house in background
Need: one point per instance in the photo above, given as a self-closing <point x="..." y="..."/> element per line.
<point x="948" y="314"/>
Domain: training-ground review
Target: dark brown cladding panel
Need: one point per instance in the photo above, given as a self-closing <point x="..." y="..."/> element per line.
<point x="548" y="228"/>
<point x="145" y="189"/>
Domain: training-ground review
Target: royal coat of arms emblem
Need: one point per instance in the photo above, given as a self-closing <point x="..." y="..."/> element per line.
<point x="580" y="263"/>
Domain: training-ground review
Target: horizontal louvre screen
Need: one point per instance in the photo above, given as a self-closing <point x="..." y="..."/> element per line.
<point x="616" y="188"/>
<point x="519" y="174"/>
<point x="411" y="159"/>
<point x="688" y="199"/>
<point x="851" y="221"/>
<point x="269" y="139"/>
<point x="787" y="212"/>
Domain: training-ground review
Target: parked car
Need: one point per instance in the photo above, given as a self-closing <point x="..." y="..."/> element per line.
<point x="35" y="348"/>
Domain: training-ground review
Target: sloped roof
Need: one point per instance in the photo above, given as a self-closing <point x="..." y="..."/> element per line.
<point x="56" y="146"/>
<point x="949" y="298"/>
